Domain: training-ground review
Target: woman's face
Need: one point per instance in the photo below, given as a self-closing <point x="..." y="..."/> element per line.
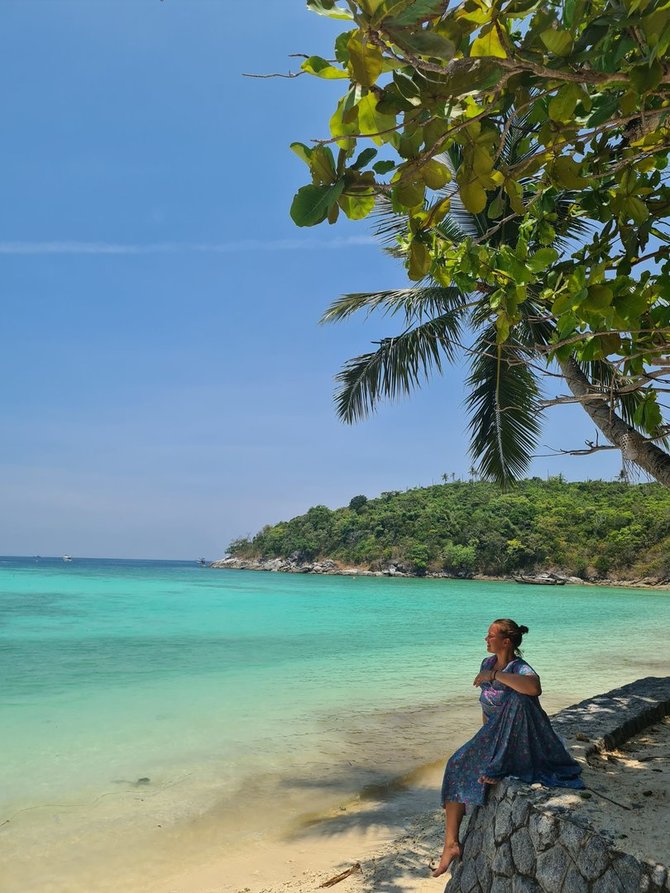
<point x="495" y="640"/>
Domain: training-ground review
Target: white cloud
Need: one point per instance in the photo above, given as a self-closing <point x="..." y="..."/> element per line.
<point x="83" y="248"/>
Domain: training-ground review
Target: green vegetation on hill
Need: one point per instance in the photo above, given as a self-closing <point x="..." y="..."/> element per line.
<point x="592" y="528"/>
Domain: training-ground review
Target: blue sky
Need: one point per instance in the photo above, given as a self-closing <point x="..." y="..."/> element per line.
<point x="167" y="386"/>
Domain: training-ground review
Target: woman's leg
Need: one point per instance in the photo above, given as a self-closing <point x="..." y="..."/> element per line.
<point x="453" y="816"/>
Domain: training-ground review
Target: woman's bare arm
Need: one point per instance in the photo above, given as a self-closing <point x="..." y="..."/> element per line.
<point x="525" y="685"/>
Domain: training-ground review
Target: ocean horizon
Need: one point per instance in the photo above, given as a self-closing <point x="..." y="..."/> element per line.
<point x="149" y="701"/>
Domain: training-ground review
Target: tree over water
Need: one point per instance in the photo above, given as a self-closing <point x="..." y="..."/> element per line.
<point x="566" y="269"/>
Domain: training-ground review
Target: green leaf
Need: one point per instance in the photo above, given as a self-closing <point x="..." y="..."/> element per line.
<point x="567" y="173"/>
<point x="344" y="121"/>
<point x="496" y="208"/>
<point x="573" y="10"/>
<point x="646" y="77"/>
<point x="419" y="261"/>
<point x="503" y="327"/>
<point x="631" y="305"/>
<point x="488" y="43"/>
<point x="409" y="143"/>
<point x="311" y="203"/>
<point x="365" y="60"/>
<point x="473" y="196"/>
<point x="546" y="233"/>
<point x="329" y="8"/>
<point x="416" y="11"/>
<point x="648" y="414"/>
<point x="562" y="106"/>
<point x="599" y="298"/>
<point x="372" y="123"/>
<point x="482" y="74"/>
<point x="426" y="43"/>
<point x="383" y="167"/>
<point x="322" y="165"/>
<point x="357" y="205"/>
<point x="320" y="68"/>
<point x="514" y="191"/>
<point x="372" y="7"/>
<point x="604" y="107"/>
<point x="636" y="209"/>
<point x="563" y="303"/>
<point x="302" y="151"/>
<point x="557" y="41"/>
<point x="542" y="259"/>
<point x="364" y="158"/>
<point x="519" y="8"/>
<point x="410" y="193"/>
<point x="342" y="46"/>
<point x="434" y="174"/>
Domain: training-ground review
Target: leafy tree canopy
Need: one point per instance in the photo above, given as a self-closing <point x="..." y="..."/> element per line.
<point x="433" y="93"/>
<point x="592" y="528"/>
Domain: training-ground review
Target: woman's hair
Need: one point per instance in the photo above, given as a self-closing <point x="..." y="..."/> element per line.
<point x="511" y="630"/>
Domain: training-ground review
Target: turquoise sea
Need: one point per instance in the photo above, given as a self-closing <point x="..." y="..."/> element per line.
<point x="145" y="702"/>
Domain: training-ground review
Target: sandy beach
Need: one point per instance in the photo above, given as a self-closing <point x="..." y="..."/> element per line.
<point x="389" y="841"/>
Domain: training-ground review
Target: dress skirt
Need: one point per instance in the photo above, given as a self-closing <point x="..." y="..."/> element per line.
<point x="517" y="740"/>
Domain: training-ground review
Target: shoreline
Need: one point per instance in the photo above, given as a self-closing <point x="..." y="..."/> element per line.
<point x="392" y="830"/>
<point x="387" y="838"/>
<point x="623" y="824"/>
<point x="330" y="568"/>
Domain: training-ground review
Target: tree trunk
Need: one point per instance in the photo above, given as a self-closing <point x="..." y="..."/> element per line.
<point x="632" y="444"/>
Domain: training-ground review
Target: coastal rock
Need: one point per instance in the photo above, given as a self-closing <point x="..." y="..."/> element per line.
<point x="297" y="563"/>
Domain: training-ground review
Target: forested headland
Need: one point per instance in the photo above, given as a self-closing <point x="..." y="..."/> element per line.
<point x="592" y="530"/>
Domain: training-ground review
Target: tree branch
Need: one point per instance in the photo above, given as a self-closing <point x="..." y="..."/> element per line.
<point x="633" y="445"/>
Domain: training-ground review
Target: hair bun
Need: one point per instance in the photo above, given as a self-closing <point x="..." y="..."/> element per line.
<point x="523" y="630"/>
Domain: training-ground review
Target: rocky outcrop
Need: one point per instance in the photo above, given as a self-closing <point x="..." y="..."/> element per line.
<point x="296" y="564"/>
<point x="291" y="565"/>
<point x="530" y="839"/>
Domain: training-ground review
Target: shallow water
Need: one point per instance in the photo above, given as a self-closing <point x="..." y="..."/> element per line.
<point x="229" y="690"/>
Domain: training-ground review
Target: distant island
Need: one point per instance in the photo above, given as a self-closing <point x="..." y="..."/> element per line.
<point x="592" y="531"/>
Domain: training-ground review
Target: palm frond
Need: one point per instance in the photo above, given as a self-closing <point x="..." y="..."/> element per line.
<point x="568" y="227"/>
<point x="534" y="327"/>
<point x="387" y="224"/>
<point x="504" y="410"/>
<point x="397" y="367"/>
<point x="416" y="303"/>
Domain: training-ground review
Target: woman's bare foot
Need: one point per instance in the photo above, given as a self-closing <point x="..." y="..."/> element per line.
<point x="485" y="779"/>
<point x="450" y="852"/>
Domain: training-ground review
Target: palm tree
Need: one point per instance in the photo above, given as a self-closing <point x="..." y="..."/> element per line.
<point x="504" y="402"/>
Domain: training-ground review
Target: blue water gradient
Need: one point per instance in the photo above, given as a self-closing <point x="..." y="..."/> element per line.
<point x="239" y="681"/>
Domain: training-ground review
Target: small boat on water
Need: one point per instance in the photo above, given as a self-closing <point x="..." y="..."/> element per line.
<point x="202" y="562"/>
<point x="67" y="558"/>
<point x="541" y="580"/>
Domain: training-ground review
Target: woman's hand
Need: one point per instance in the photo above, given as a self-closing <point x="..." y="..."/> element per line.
<point x="483" y="676"/>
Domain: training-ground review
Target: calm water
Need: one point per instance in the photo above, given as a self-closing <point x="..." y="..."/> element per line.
<point x="221" y="689"/>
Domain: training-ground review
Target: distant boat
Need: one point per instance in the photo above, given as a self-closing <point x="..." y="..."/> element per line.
<point x="540" y="581"/>
<point x="67" y="558"/>
<point x="202" y="562"/>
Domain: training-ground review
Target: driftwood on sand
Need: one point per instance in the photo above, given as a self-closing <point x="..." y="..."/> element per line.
<point x="355" y="868"/>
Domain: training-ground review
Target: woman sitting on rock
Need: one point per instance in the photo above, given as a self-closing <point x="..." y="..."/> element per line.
<point x="516" y="737"/>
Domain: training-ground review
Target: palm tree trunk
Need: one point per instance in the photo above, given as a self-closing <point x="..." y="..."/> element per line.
<point x="632" y="444"/>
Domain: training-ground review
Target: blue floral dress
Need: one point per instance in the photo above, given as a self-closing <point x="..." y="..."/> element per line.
<point x="516" y="739"/>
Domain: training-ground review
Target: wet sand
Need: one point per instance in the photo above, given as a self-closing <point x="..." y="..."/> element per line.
<point x="394" y="839"/>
